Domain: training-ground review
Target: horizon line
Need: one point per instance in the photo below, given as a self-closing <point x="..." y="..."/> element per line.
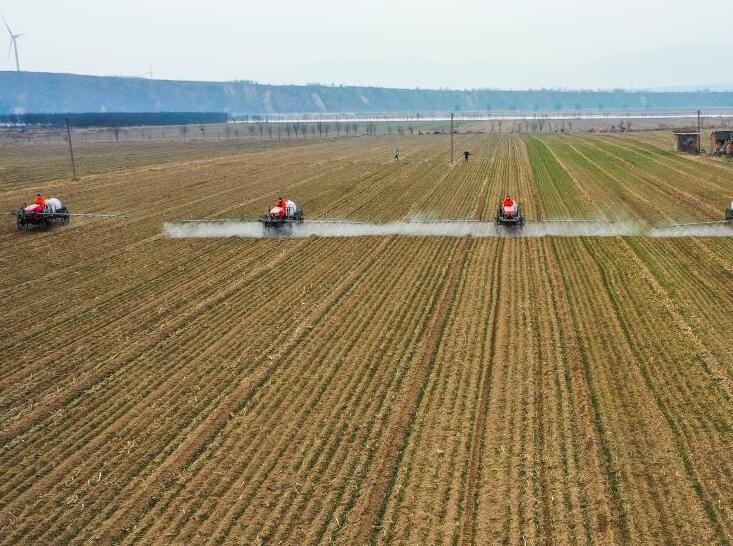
<point x="725" y="88"/>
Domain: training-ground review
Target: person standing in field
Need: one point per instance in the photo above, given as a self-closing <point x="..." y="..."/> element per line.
<point x="466" y="153"/>
<point x="396" y="153"/>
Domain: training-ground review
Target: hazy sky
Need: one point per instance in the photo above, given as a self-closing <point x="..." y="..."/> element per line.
<point x="405" y="43"/>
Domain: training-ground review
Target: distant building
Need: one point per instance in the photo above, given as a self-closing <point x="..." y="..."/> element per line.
<point x="721" y="142"/>
<point x="687" y="141"/>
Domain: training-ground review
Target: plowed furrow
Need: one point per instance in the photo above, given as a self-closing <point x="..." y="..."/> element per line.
<point x="366" y="515"/>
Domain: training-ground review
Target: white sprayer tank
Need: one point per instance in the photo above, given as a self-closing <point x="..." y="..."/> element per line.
<point x="290" y="207"/>
<point x="53" y="204"/>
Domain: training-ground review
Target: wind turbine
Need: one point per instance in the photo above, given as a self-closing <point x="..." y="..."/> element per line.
<point x="13" y="44"/>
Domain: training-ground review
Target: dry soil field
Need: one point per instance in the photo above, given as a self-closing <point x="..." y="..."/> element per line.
<point x="401" y="390"/>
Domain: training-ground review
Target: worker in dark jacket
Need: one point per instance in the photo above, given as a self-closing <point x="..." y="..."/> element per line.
<point x="466" y="153"/>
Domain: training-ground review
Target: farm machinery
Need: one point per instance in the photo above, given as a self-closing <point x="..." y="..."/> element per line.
<point x="728" y="219"/>
<point x="282" y="216"/>
<point x="44" y="213"/>
<point x="278" y="221"/>
<point x="509" y="213"/>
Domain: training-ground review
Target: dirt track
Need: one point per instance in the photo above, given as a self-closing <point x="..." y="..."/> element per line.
<point x="372" y="389"/>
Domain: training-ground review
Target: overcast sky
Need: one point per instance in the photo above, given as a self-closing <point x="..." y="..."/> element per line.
<point x="396" y="43"/>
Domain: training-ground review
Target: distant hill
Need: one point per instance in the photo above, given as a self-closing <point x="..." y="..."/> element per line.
<point x="58" y="93"/>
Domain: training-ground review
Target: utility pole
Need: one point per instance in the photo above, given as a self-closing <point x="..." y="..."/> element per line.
<point x="71" y="148"/>
<point x="451" y="138"/>
<point x="699" y="133"/>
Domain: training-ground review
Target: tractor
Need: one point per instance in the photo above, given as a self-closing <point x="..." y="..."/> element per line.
<point x="509" y="213"/>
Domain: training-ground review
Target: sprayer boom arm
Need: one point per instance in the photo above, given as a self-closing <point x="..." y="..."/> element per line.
<point x="698" y="223"/>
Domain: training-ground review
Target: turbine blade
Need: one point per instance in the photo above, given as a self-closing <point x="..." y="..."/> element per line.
<point x="6" y="25"/>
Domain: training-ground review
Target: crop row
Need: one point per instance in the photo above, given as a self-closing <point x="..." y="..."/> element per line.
<point x="146" y="375"/>
<point x="310" y="417"/>
<point x="373" y="390"/>
<point x="618" y="180"/>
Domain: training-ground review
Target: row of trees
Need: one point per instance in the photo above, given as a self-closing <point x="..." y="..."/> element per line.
<point x="280" y="130"/>
<point x="539" y="126"/>
<point x="190" y="132"/>
<point x="269" y="130"/>
<point x="297" y="129"/>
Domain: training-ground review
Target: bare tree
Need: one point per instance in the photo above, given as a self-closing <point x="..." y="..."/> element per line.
<point x="288" y="129"/>
<point x="319" y="126"/>
<point x="347" y="127"/>
<point x="269" y="130"/>
<point x="326" y="128"/>
<point x="337" y="126"/>
<point x="313" y="129"/>
<point x="279" y="130"/>
<point x="261" y="128"/>
<point x="355" y="128"/>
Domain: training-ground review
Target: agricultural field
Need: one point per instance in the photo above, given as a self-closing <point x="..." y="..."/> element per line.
<point x="366" y="390"/>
